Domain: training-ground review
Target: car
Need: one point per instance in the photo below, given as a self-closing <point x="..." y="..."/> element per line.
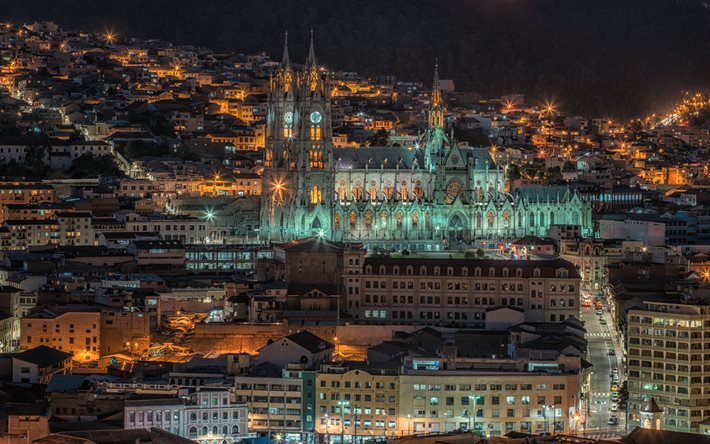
<point x="602" y="321"/>
<point x="614" y="407"/>
<point x="612" y="352"/>
<point x="587" y="303"/>
<point x="599" y="312"/>
<point x="615" y="370"/>
<point x="613" y="421"/>
<point x="614" y="415"/>
<point x="615" y="397"/>
<point x="614" y="388"/>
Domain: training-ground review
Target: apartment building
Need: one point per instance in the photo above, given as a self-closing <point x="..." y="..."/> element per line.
<point x="17" y="192"/>
<point x="459" y="292"/>
<point x="668" y="345"/>
<point x="275" y="400"/>
<point x="75" y="228"/>
<point x="189" y="230"/>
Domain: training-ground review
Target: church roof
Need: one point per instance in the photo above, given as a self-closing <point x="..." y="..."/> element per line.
<point x="377" y="157"/>
<point x="479" y="156"/>
<point x="652" y="406"/>
<point x="545" y="194"/>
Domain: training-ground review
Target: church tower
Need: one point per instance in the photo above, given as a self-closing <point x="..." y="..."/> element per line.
<point x="436" y="136"/>
<point x="298" y="159"/>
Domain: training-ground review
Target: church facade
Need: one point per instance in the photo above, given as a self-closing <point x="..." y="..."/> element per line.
<point x="426" y="196"/>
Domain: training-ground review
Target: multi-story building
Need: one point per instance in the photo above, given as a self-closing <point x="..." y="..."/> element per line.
<point x="357" y="399"/>
<point x="668" y="346"/>
<point x="591" y="257"/>
<point x="18" y="192"/>
<point x="207" y="416"/>
<point x="72" y="329"/>
<point x="492" y="397"/>
<point x="75" y="228"/>
<point x="275" y="400"/>
<point x="460" y="292"/>
<point x="189" y="230"/>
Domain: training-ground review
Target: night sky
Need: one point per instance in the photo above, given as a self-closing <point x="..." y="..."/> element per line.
<point x="622" y="58"/>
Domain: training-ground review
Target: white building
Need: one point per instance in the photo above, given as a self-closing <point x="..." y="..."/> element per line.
<point x="207" y="416"/>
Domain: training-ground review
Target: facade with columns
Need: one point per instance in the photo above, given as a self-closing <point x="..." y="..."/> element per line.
<point x="421" y="196"/>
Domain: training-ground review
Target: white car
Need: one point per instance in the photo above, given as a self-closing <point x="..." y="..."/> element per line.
<point x="614" y="407"/>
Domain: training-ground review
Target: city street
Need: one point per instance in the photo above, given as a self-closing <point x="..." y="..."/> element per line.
<point x="602" y="338"/>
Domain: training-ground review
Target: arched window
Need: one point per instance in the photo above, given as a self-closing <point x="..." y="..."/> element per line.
<point x="399" y="219"/>
<point x="491" y="218"/>
<point x="373" y="190"/>
<point x="531" y="219"/>
<point x="336" y="221"/>
<point x="437" y="271"/>
<point x="368" y="219"/>
<point x="193" y="417"/>
<point x="552" y="218"/>
<point x="505" y="271"/>
<point x="225" y="430"/>
<point x="491" y="272"/>
<point x="215" y="430"/>
<point x="415" y="220"/>
<point x="542" y="219"/>
<point x="383" y="218"/>
<point x="422" y="270"/>
<point x="315" y="195"/>
<point x="192" y="433"/>
<point x="382" y="269"/>
<point x="204" y="430"/>
<point x="353" y="219"/>
<point x="315" y="132"/>
<point x="235" y="430"/>
<point x="410" y="270"/>
<point x="395" y="270"/>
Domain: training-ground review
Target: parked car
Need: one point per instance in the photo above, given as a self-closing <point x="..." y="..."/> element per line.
<point x="612" y="352"/>
<point x="602" y="321"/>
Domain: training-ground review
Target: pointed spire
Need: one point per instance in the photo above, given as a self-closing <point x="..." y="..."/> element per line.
<point x="285" y="60"/>
<point x="436" y="87"/>
<point x="311" y="60"/>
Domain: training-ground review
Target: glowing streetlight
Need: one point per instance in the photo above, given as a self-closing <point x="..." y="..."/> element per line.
<point x="321" y="234"/>
<point x="209" y="215"/>
<point x="110" y="37"/>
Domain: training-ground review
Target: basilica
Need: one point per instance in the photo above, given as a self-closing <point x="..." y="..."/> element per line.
<point x="428" y="196"/>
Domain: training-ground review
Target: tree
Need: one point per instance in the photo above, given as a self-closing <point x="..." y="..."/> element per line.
<point x="480" y="253"/>
<point x="35" y="158"/>
<point x="512" y="172"/>
<point x="380" y="138"/>
<point x="623" y="396"/>
<point x="88" y="165"/>
<point x="569" y="167"/>
<point x="469" y="255"/>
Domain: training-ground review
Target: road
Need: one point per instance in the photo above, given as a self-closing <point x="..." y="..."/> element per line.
<point x="601" y="338"/>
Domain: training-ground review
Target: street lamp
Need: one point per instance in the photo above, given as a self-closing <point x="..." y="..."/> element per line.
<point x="327" y="440"/>
<point x="475" y="411"/>
<point x="342" y="405"/>
<point x="409" y="425"/>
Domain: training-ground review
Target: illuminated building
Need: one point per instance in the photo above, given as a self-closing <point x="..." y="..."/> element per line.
<point x="357" y="399"/>
<point x="667" y="345"/>
<point x="418" y="196"/>
<point x="462" y="292"/>
<point x="207" y="415"/>
<point x="75" y="330"/>
<point x="468" y="394"/>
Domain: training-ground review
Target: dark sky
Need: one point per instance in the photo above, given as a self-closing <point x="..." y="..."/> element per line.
<point x="620" y="58"/>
